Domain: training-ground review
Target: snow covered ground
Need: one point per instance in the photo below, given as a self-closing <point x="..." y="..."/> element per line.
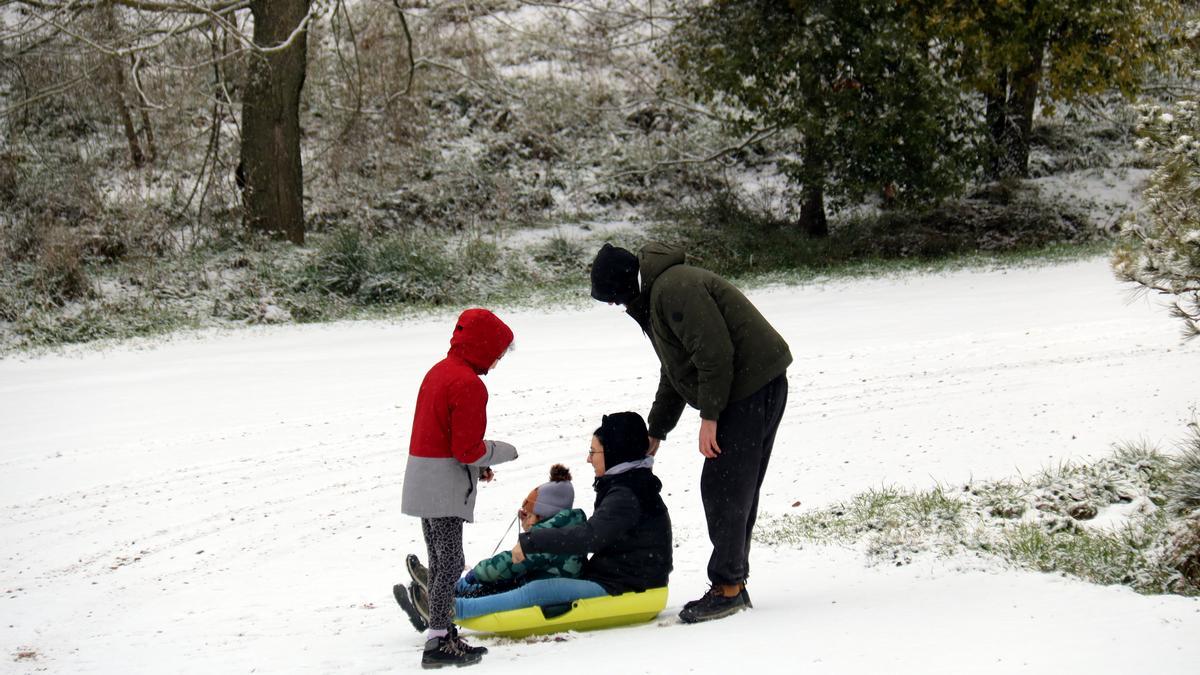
<point x="225" y="503"/>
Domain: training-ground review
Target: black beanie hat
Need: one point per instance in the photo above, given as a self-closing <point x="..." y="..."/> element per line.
<point x="624" y="438"/>
<point x="615" y="275"/>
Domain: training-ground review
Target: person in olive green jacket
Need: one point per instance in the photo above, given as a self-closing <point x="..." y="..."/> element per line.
<point x="718" y="354"/>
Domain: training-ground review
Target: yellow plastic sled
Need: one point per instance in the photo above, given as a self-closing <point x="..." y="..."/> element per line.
<point x="587" y="614"/>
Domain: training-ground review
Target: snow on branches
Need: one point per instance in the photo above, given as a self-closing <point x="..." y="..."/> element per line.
<point x="1160" y="247"/>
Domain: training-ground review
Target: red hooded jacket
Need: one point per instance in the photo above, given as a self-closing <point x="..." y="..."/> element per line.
<point x="451" y="413"/>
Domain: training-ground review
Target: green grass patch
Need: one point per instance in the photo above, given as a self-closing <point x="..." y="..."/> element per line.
<point x="1129" y="556"/>
<point x="885" y="512"/>
<point x="1041" y="522"/>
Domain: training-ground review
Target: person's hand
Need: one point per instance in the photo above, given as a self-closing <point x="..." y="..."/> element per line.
<point x="517" y="554"/>
<point x="708" y="439"/>
<point x="653" y="446"/>
<point x="487" y="474"/>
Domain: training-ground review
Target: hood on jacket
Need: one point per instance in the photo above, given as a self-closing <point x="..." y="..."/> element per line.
<point x="480" y="338"/>
<point x="656" y="258"/>
<point x="653" y="259"/>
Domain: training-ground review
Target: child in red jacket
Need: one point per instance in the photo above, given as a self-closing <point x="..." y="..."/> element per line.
<point x="447" y="456"/>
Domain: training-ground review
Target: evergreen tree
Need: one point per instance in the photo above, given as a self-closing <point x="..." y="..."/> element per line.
<point x="1160" y="247"/>
<point x="868" y="97"/>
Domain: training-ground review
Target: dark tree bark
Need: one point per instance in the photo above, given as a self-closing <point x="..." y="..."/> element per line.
<point x="148" y="132"/>
<point x="147" y="127"/>
<point x="270" y="157"/>
<point x="997" y="123"/>
<point x="1010" y="117"/>
<point x="813" y="221"/>
<point x="1022" y="104"/>
<point x="116" y="90"/>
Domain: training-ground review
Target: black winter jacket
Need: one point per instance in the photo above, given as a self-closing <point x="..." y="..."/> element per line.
<point x="628" y="535"/>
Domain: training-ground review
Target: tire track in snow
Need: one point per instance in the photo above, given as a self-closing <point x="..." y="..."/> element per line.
<point x="217" y="505"/>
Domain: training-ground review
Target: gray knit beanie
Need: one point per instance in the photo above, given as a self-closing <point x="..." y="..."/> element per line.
<point x="556" y="495"/>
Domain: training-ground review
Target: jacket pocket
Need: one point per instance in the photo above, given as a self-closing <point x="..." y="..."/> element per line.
<point x="471" y="479"/>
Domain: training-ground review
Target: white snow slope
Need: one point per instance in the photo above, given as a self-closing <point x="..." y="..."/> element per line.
<point x="228" y="503"/>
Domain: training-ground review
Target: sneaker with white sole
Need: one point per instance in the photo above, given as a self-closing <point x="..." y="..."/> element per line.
<point x="418" y="572"/>
<point x="420" y="600"/>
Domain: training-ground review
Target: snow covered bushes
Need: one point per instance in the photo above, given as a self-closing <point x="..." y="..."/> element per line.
<point x="736" y="236"/>
<point x="399" y="267"/>
<point x="1121" y="520"/>
<point x="564" y="256"/>
<point x="1184" y="491"/>
<point x="1160" y="248"/>
<point x="1184" y="503"/>
<point x="422" y="268"/>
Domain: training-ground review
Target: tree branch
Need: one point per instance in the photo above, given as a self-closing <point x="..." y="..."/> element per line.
<point x="141" y="5"/>
<point x="48" y="92"/>
<point x="215" y="15"/>
<point x="298" y="31"/>
<point x="412" y="62"/>
<point x="756" y="137"/>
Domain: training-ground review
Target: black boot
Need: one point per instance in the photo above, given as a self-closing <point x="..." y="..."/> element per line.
<point x="414" y="617"/>
<point x="714" y="605"/>
<point x="463" y="643"/>
<point x="418" y="572"/>
<point x="447" y="651"/>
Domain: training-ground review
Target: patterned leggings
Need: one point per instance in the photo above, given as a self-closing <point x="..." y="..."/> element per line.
<point x="444" y="541"/>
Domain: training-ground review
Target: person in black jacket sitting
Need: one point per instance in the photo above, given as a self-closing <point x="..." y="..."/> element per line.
<point x="628" y="535"/>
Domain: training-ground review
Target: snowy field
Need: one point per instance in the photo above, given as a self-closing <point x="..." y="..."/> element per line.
<point x="229" y="502"/>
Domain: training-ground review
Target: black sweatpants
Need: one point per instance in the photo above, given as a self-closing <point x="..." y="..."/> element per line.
<point x="444" y="542"/>
<point x="730" y="482"/>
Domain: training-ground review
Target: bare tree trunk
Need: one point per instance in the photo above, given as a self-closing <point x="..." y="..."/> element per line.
<point x="116" y="87"/>
<point x="270" y="158"/>
<point x="812" y="213"/>
<point x="147" y="127"/>
<point x="813" y="221"/>
<point x="997" y="123"/>
<point x="148" y="132"/>
<point x="1022" y="104"/>
<point x="1010" y="116"/>
<point x="118" y="98"/>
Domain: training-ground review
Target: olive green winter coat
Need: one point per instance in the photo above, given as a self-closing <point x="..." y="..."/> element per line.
<point x="713" y="344"/>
